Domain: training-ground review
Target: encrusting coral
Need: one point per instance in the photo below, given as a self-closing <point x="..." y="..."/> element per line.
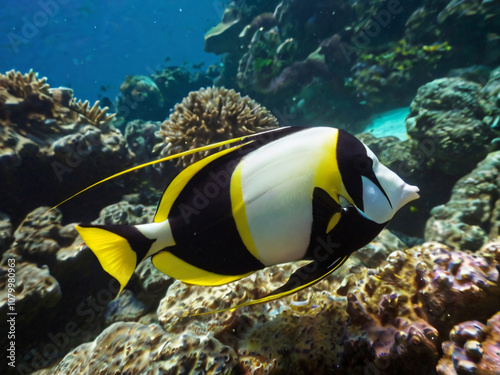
<point x="389" y="318"/>
<point x="134" y="348"/>
<point x="474" y="348"/>
<point x="211" y="115"/>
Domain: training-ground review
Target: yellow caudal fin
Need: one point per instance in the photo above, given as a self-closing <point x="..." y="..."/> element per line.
<point x="119" y="248"/>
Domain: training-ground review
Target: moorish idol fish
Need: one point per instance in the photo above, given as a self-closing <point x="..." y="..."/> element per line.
<point x="284" y="195"/>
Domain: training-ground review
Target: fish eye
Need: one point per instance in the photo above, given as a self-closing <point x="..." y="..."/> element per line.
<point x="363" y="164"/>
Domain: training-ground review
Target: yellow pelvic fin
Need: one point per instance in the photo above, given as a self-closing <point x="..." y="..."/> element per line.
<point x="272" y="296"/>
<point x="113" y="252"/>
<point x="333" y="221"/>
<point x="179" y="269"/>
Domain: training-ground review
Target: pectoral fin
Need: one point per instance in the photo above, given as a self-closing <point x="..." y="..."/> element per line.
<point x="303" y="278"/>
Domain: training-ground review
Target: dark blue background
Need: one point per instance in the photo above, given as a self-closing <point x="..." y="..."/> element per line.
<point x="93" y="44"/>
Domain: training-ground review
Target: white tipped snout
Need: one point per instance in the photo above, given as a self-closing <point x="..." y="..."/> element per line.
<point x="376" y="205"/>
<point x="410" y="193"/>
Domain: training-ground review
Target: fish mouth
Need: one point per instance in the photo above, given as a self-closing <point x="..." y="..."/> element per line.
<point x="408" y="194"/>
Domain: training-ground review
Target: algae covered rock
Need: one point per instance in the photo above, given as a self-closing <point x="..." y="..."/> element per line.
<point x="471" y="216"/>
<point x="151" y="97"/>
<point x="140" y="97"/>
<point x="136" y="348"/>
<point x="444" y="112"/>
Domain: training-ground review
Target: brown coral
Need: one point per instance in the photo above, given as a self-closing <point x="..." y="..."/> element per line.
<point x="474" y="349"/>
<point x="27" y="90"/>
<point x="211" y="115"/>
<point x="389" y="319"/>
<point x="134" y="348"/>
<point x="17" y="85"/>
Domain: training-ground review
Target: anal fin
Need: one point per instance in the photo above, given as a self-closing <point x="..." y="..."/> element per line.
<point x="302" y="278"/>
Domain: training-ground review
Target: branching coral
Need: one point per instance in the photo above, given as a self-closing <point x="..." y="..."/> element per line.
<point x="30" y="94"/>
<point x="18" y="85"/>
<point x="94" y="114"/>
<point x="211" y="115"/>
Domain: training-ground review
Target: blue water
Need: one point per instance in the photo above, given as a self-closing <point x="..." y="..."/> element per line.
<point x="389" y="123"/>
<point x="91" y="45"/>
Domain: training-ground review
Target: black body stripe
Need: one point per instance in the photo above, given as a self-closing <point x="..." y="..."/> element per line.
<point x="324" y="207"/>
<point x="351" y="150"/>
<point x="258" y="140"/>
<point x="138" y="242"/>
<point x="202" y="223"/>
<point x="352" y="232"/>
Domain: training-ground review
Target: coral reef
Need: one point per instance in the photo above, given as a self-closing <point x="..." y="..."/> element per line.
<point x="25" y="98"/>
<point x="471" y="216"/>
<point x="388" y="319"/>
<point x="56" y="278"/>
<point x="152" y="97"/>
<point x="224" y="36"/>
<point x="444" y="112"/>
<point x="140" y="97"/>
<point x="389" y="77"/>
<point x="211" y="115"/>
<point x="137" y="348"/>
<point x="47" y="134"/>
<point x="452" y="125"/>
<point x="140" y="136"/>
<point x="5" y="232"/>
<point x="370" y="56"/>
<point x="474" y="349"/>
<point x="36" y="291"/>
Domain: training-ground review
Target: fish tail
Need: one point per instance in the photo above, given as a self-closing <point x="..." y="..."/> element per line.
<point x="119" y="248"/>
